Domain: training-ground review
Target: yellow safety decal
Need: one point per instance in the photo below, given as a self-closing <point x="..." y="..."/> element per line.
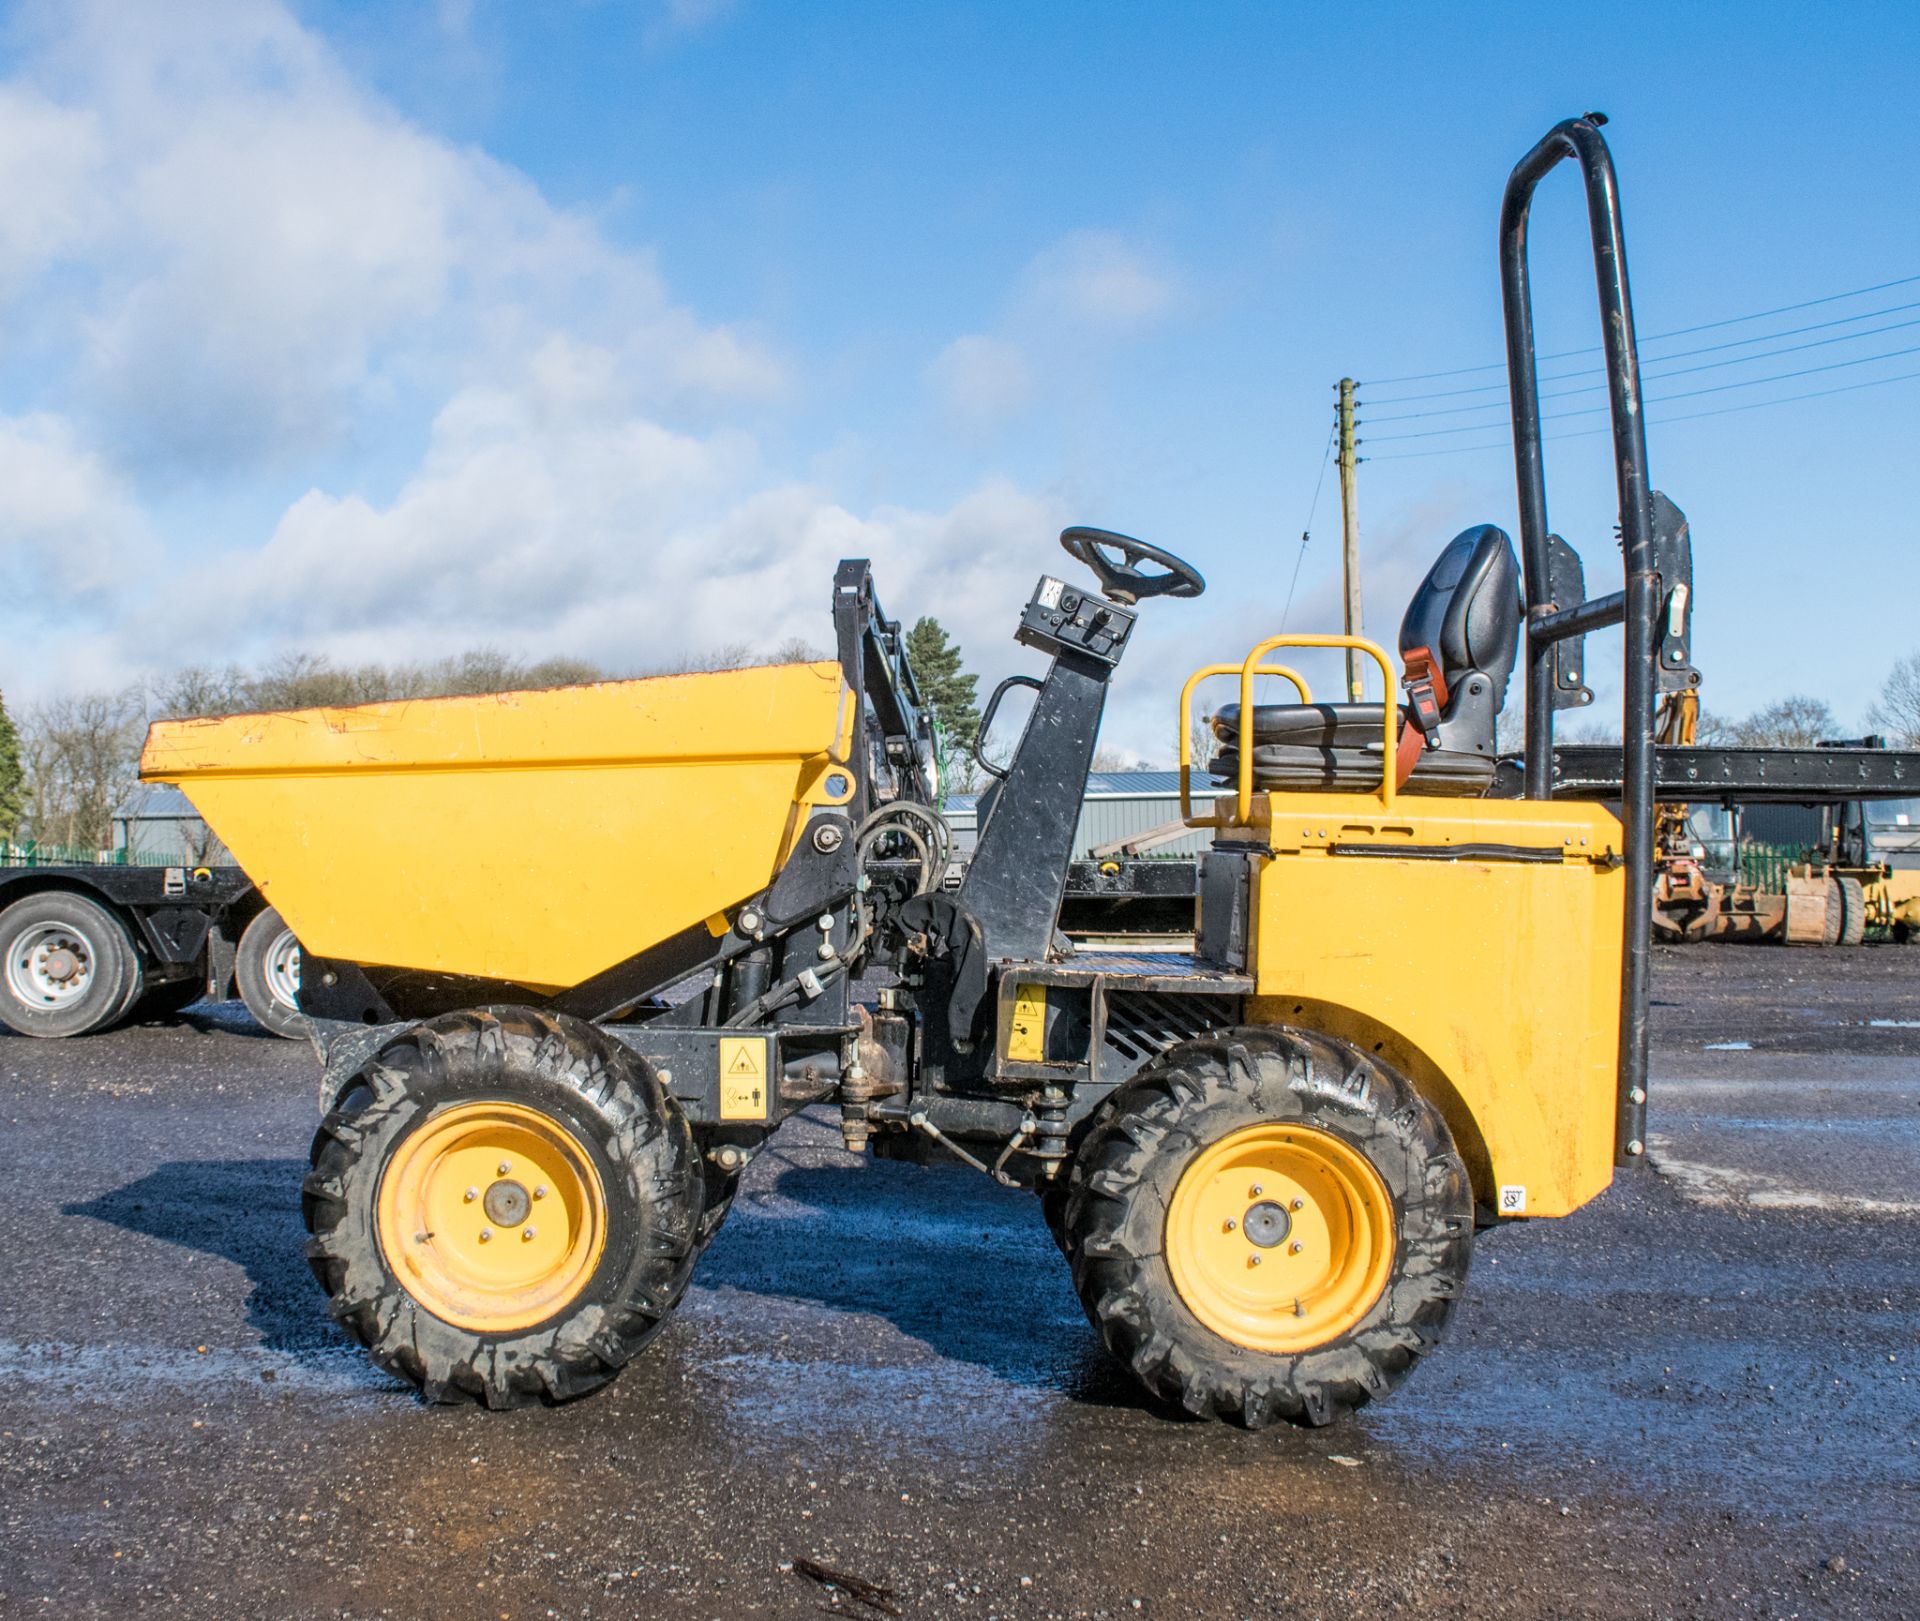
<point x="743" y="1077"/>
<point x="1027" y="1034"/>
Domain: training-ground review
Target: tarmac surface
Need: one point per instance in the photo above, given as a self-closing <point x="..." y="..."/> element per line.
<point x="1699" y="1396"/>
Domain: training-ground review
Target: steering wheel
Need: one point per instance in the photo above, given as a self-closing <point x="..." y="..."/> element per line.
<point x="1122" y="580"/>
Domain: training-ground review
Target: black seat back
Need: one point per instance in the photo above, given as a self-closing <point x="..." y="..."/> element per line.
<point x="1463" y="626"/>
<point x="1466" y="613"/>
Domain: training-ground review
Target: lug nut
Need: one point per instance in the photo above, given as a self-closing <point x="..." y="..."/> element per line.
<point x="1231" y="1224"/>
<point x="1253" y="1260"/>
<point x="541" y="1191"/>
<point x="486" y="1233"/>
<point x="1298" y="1204"/>
<point x="504" y="1167"/>
<point x="472" y="1194"/>
<point x="526" y="1235"/>
<point x="1255" y="1191"/>
<point x="1295" y="1247"/>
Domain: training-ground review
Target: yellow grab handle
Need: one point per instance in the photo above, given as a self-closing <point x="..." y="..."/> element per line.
<point x="1390" y="710"/>
<point x="1186" y="727"/>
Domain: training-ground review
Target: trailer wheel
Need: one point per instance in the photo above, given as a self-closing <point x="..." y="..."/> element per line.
<point x="1269" y="1225"/>
<point x="266" y="969"/>
<point x="69" y="966"/>
<point x="1853" y="912"/>
<point x="504" y="1207"/>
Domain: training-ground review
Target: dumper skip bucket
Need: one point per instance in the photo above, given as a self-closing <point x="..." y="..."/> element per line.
<point x="534" y="837"/>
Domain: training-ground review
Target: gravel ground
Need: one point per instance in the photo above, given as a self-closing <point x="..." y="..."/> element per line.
<point x="1700" y="1396"/>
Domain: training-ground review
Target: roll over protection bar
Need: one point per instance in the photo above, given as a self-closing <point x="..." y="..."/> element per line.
<point x="1637" y="606"/>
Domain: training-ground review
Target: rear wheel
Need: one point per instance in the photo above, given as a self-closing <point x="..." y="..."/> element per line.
<point x="68" y="966"/>
<point x="1269" y="1225"/>
<point x="1853" y="912"/>
<point x="504" y="1208"/>
<point x="266" y="969"/>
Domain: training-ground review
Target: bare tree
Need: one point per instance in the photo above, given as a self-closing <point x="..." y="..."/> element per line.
<point x="1898" y="710"/>
<point x="1796" y="722"/>
<point x="81" y="756"/>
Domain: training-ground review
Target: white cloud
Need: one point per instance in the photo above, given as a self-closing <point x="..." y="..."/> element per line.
<point x="69" y="528"/>
<point x="245" y="264"/>
<point x="266" y="240"/>
<point x="1101" y="279"/>
<point x="981" y="381"/>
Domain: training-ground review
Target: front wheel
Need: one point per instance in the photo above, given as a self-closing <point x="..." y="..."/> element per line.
<point x="504" y="1208"/>
<point x="1269" y="1225"/>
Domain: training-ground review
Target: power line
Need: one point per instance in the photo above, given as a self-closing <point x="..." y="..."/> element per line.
<point x="1685" y="416"/>
<point x="1656" y="399"/>
<point x="1677" y="332"/>
<point x="1678" y="371"/>
<point x="1307" y="532"/>
<point x="1655" y="360"/>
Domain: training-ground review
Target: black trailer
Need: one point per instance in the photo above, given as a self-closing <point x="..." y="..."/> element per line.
<point x="84" y="948"/>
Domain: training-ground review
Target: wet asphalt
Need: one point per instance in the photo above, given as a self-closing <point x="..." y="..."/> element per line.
<point x="1699" y="1396"/>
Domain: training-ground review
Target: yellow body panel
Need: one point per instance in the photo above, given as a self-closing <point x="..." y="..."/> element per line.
<point x="1493" y="984"/>
<point x="1895" y="899"/>
<point x="536" y="837"/>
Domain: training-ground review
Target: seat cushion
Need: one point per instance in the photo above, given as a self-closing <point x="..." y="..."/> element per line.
<point x="1325" y="726"/>
<point x="1336" y="748"/>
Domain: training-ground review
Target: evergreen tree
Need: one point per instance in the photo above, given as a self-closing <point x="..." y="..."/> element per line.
<point x="950" y="693"/>
<point x="12" y="780"/>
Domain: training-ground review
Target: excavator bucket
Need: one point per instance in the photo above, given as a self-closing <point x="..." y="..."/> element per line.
<point x="532" y="837"/>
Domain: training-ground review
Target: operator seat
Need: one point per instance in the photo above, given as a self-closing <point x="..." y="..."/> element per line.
<point x="1458" y="643"/>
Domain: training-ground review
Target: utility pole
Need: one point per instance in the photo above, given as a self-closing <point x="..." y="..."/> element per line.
<point x="1349" y="537"/>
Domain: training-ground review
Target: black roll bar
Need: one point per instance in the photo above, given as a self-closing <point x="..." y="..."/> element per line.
<point x="1637" y="606"/>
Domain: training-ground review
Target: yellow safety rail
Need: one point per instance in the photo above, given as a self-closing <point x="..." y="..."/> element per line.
<point x="1248" y="669"/>
<point x="1186" y="726"/>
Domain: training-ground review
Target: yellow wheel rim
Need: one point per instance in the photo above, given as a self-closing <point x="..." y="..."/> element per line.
<point x="1280" y="1237"/>
<point x="492" y="1216"/>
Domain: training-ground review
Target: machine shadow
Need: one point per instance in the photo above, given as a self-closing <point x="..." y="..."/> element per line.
<point x="949" y="1259"/>
<point x="242" y="1210"/>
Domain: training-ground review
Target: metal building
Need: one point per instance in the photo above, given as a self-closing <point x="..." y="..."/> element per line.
<point x="1118" y="805"/>
<point x="156" y="822"/>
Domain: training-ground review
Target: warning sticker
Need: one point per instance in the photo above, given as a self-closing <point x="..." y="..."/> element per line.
<point x="743" y="1077"/>
<point x="1513" y="1199"/>
<point x="1027" y="1029"/>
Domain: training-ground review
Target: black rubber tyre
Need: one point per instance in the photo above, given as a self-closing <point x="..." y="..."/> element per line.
<point x="1853" y="912"/>
<point x="253" y="976"/>
<point x="1198" y="1095"/>
<point x="1902" y="934"/>
<point x="639" y="1145"/>
<point x="1836" y="923"/>
<point x="39" y="936"/>
<point x="167" y="1000"/>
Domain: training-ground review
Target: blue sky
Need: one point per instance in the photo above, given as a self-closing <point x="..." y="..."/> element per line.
<point x="389" y="329"/>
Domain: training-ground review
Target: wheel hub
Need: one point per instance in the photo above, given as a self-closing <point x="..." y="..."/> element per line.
<point x="507" y="1203"/>
<point x="1266" y="1224"/>
<point x="452" y="1215"/>
<point x="1280" y="1237"/>
<point x="49" y="966"/>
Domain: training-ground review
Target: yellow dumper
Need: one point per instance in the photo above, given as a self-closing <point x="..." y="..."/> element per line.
<point x="572" y="957"/>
